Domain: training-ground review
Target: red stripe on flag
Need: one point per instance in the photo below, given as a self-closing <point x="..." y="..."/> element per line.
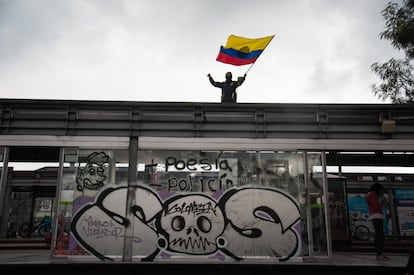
<point x="234" y="61"/>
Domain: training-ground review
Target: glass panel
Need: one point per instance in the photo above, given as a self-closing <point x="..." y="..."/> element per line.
<point x="218" y="205"/>
<point x="6" y="229"/>
<point x="20" y="215"/>
<point x="30" y="192"/>
<point x="338" y="212"/>
<point x="317" y="204"/>
<point x="362" y="229"/>
<point x="404" y="201"/>
<point x="93" y="217"/>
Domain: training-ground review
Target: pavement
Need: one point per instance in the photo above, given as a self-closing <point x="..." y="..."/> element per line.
<point x="41" y="261"/>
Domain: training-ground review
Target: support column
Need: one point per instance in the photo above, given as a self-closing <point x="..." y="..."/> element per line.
<point x="130" y="199"/>
<point x="326" y="205"/>
<point x="308" y="206"/>
<point x="4" y="199"/>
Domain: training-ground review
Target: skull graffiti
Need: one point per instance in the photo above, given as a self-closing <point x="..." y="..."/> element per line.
<point x="192" y="224"/>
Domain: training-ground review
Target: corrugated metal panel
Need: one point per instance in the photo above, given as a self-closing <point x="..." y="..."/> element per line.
<point x="169" y="119"/>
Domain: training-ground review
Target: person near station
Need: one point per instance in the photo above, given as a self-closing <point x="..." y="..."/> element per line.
<point x="228" y="87"/>
<point x="376" y="202"/>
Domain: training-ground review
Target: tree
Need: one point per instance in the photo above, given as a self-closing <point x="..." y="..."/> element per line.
<point x="397" y="74"/>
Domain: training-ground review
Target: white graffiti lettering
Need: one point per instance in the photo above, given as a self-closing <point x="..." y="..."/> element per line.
<point x="248" y="221"/>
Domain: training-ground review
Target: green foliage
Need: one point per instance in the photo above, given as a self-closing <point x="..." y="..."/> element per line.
<point x="399" y="23"/>
<point x="398" y="81"/>
<point x="396" y="75"/>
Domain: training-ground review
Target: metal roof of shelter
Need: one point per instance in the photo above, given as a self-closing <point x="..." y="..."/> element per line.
<point x="174" y="119"/>
<point x="331" y="127"/>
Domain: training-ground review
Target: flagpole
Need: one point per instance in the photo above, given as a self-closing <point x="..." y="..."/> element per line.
<point x="258" y="56"/>
<point x="249" y="68"/>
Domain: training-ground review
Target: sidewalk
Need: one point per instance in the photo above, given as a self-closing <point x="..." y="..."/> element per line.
<point x="17" y="261"/>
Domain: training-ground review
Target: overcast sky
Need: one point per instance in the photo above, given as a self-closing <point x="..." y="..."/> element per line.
<point x="162" y="50"/>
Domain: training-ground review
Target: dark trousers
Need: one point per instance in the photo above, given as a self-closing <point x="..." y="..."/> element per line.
<point x="379" y="235"/>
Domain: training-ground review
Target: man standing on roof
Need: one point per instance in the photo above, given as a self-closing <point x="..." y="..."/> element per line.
<point x="228" y="88"/>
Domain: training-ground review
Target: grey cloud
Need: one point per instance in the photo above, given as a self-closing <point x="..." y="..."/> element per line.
<point x="101" y="45"/>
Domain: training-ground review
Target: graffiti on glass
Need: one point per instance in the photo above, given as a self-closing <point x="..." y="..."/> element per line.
<point x="92" y="175"/>
<point x="242" y="222"/>
<point x="197" y="175"/>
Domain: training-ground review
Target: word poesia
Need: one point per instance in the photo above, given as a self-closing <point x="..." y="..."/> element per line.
<point x="196" y="165"/>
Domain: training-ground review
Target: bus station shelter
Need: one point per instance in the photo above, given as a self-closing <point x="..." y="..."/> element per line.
<point x="168" y="182"/>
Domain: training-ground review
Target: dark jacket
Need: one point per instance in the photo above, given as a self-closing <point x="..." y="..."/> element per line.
<point x="228" y="89"/>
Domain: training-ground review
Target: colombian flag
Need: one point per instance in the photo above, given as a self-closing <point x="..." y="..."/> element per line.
<point x="242" y="51"/>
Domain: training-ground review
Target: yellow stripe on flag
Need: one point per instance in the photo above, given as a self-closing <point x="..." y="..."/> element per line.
<point x="248" y="44"/>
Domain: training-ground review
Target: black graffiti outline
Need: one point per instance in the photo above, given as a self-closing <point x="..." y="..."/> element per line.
<point x="95" y="164"/>
<point x="163" y="238"/>
<point x="256" y="232"/>
<point x="190" y="182"/>
<point x="191" y="162"/>
<point x="167" y="210"/>
<point x="116" y="217"/>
